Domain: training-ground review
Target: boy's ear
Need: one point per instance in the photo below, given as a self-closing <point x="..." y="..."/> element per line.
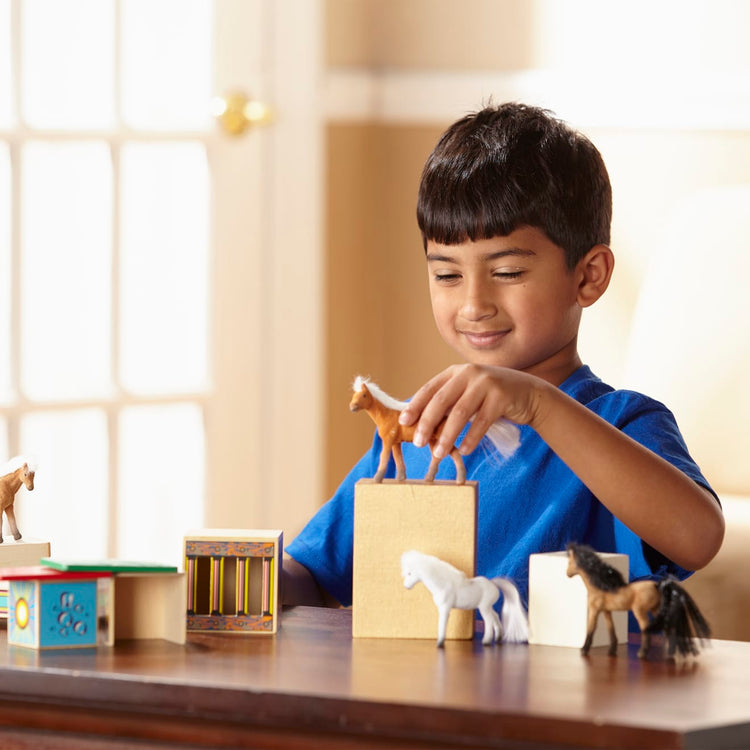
<point x="595" y="270"/>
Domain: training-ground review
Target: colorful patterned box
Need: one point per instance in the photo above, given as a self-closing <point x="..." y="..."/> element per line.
<point x="52" y="609"/>
<point x="233" y="580"/>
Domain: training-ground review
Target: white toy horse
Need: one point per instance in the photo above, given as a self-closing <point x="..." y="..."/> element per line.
<point x="451" y="589"/>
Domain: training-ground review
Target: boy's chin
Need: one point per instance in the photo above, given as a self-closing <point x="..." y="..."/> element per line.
<point x="487" y="359"/>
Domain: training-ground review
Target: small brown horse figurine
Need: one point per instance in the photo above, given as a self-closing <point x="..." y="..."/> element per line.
<point x="385" y="411"/>
<point x="9" y="486"/>
<point x="658" y="606"/>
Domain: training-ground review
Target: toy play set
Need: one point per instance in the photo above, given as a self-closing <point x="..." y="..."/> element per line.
<point x="405" y="533"/>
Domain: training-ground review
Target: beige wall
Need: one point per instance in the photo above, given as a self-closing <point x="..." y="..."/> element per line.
<point x="437" y="34"/>
<point x="514" y="35"/>
<point x="378" y="312"/>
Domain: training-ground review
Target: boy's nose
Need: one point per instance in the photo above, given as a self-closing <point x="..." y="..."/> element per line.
<point x="478" y="303"/>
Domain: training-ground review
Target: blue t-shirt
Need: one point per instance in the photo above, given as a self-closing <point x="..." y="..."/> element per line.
<point x="530" y="502"/>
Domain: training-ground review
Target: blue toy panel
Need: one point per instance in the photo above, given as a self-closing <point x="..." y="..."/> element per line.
<point x="67" y="614"/>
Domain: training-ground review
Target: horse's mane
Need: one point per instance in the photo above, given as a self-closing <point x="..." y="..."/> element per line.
<point x="428" y="565"/>
<point x="16" y="463"/>
<point x="600" y="574"/>
<point x="378" y="393"/>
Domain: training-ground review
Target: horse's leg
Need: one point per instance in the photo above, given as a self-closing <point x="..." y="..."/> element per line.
<point x="460" y="468"/>
<point x="593" y="616"/>
<point x="492" y="628"/>
<point x="444" y="611"/>
<point x="641" y="616"/>
<point x="398" y="456"/>
<point x="612" y="634"/>
<point x="434" y="463"/>
<point x="385" y="454"/>
<point x="10" y="514"/>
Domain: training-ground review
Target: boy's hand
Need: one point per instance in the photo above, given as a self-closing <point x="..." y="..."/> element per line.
<point x="473" y="393"/>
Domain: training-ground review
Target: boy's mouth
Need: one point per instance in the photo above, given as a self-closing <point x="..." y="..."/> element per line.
<point x="484" y="339"/>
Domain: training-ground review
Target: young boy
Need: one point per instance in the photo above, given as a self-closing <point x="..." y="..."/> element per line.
<point x="515" y="210"/>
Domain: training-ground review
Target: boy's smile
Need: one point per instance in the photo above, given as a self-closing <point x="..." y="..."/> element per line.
<point x="508" y="301"/>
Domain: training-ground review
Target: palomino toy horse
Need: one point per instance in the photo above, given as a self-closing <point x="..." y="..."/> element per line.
<point x="23" y="473"/>
<point x="658" y="606"/>
<point x="451" y="589"/>
<point x="385" y="410"/>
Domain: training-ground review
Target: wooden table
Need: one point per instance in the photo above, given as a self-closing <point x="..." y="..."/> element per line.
<point x="312" y="685"/>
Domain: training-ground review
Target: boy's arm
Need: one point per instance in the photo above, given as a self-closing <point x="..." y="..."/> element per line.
<point x="299" y="587"/>
<point x="662" y="505"/>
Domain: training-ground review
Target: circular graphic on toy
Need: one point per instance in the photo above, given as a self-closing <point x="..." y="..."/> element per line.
<point x="22" y="613"/>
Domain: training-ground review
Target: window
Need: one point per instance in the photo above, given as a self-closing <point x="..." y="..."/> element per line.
<point x="105" y="268"/>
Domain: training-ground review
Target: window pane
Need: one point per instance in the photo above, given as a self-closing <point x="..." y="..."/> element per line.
<point x="67" y="51"/>
<point x="66" y="230"/>
<point x="161" y="483"/>
<point x="5" y="378"/>
<point x="6" y="87"/>
<point x="69" y="505"/>
<point x="166" y="63"/>
<point x="164" y="266"/>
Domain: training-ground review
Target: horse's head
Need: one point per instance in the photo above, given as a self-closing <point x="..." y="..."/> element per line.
<point x="27" y="477"/>
<point x="410" y="568"/>
<point x="573" y="568"/>
<point x="361" y="399"/>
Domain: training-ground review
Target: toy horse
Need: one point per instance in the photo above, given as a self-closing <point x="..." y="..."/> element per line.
<point x="385" y="410"/>
<point x="671" y="608"/>
<point x="451" y="589"/>
<point x="9" y="486"/>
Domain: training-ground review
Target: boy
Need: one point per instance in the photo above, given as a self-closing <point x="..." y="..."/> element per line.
<point x="515" y="210"/>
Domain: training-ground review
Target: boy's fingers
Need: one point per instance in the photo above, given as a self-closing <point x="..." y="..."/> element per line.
<point x="460" y="414"/>
<point x="486" y="410"/>
<point x="474" y="435"/>
<point x="440" y="404"/>
<point x="420" y="399"/>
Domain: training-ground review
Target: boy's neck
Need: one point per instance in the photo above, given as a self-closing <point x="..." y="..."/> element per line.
<point x="558" y="368"/>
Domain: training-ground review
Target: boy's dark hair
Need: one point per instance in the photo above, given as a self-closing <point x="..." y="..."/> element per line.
<point x="515" y="165"/>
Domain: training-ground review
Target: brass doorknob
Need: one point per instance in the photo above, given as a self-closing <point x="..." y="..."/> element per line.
<point x="236" y="112"/>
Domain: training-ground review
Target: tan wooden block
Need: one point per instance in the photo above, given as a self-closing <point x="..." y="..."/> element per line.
<point x="437" y="518"/>
<point x="149" y="605"/>
<point x="558" y="604"/>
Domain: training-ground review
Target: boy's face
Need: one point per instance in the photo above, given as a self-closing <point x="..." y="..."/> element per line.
<point x="508" y="301"/>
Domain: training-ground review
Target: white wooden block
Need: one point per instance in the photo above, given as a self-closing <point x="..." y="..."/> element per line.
<point x="558" y="604"/>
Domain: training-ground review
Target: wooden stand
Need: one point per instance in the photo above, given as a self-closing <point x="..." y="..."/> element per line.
<point x="233" y="580"/>
<point x="437" y="518"/>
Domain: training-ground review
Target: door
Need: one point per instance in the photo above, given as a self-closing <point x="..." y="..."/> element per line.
<point x="159" y="309"/>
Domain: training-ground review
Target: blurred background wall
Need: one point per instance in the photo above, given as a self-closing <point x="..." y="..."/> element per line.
<point x="662" y="90"/>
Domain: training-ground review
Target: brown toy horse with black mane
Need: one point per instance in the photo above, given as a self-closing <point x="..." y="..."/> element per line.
<point x="658" y="606"/>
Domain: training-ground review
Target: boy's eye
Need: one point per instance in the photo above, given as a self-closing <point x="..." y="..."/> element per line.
<point x="446" y="277"/>
<point x="510" y="273"/>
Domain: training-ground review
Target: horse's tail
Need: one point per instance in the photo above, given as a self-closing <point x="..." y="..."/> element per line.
<point x="504" y="436"/>
<point x="513" y="615"/>
<point x="679" y="618"/>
